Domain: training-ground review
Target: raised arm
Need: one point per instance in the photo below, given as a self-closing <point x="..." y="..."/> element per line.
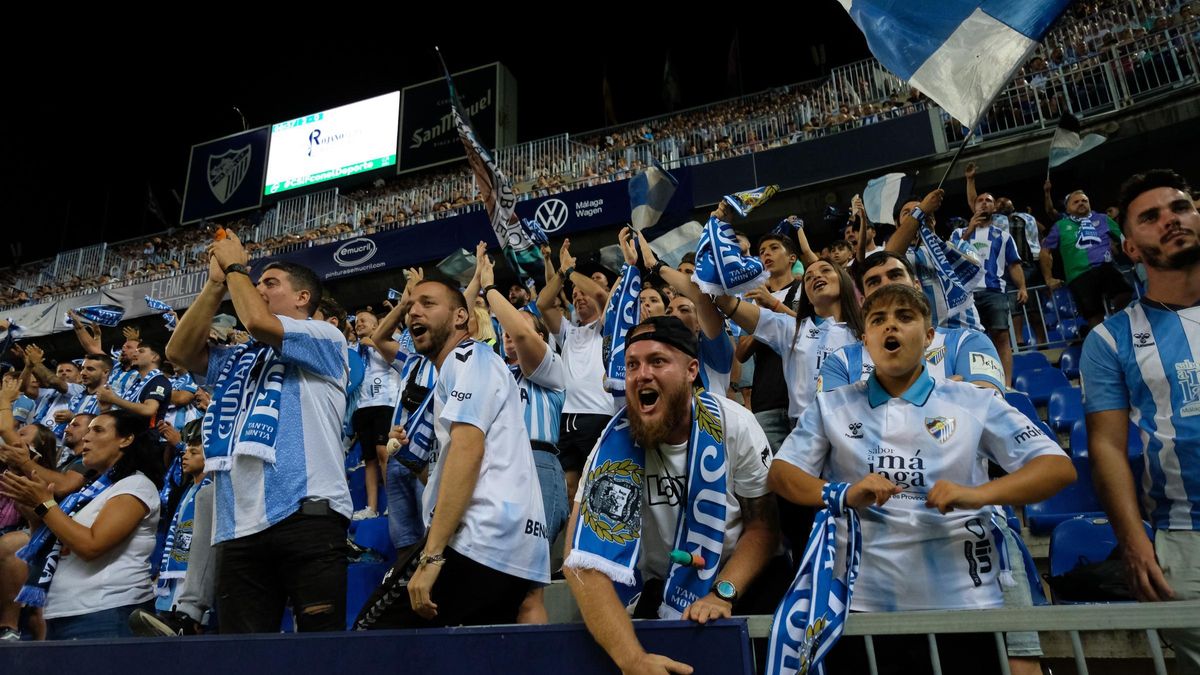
<point x="712" y="323"/>
<point x="744" y="314"/>
<point x="386" y="328"/>
<point x="249" y="306"/>
<point x="1051" y="212"/>
<point x="35" y="362"/>
<point x="972" y="192"/>
<point x="188" y="346"/>
<point x="899" y="242"/>
<point x="473" y="288"/>
<point x="530" y="346"/>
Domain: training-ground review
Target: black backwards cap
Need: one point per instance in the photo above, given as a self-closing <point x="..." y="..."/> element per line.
<point x="668" y="330"/>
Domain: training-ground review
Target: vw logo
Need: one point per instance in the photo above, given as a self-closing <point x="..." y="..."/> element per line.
<point x="354" y="252"/>
<point x="552" y="214"/>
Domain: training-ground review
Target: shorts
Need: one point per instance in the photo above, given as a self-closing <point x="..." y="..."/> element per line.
<point x="1090" y="288"/>
<point x="993" y="308"/>
<point x="371" y="426"/>
<point x="578" y="436"/>
<point x="403" y="490"/>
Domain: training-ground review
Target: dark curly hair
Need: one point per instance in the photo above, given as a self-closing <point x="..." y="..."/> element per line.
<point x="144" y="454"/>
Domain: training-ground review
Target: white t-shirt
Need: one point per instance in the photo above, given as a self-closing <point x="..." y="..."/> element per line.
<point x="748" y="456"/>
<point x="583" y="358"/>
<point x="802" y="355"/>
<point x="117" y="578"/>
<point x="380" y="383"/>
<point x="914" y="558"/>
<point x="504" y="526"/>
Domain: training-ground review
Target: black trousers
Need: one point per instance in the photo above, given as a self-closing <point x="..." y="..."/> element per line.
<point x="467" y="593"/>
<point x="301" y="561"/>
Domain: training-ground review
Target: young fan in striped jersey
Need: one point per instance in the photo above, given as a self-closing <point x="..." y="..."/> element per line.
<point x="1143" y="365"/>
<point x="911" y="448"/>
<point x="542" y="381"/>
<point x="955" y="353"/>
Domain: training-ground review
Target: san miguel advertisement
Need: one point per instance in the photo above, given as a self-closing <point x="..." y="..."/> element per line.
<point x="427" y="134"/>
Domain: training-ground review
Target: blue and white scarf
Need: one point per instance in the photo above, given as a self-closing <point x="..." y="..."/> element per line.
<point x="419" y="430"/>
<point x="813" y="613"/>
<point x="620" y="316"/>
<point x="721" y="269"/>
<point x="160" y="306"/>
<point x="104" y="315"/>
<point x="955" y="277"/>
<point x="607" y="536"/>
<point x="249" y="376"/>
<point x="133" y="391"/>
<point x="393" y="294"/>
<point x="179" y="541"/>
<point x="44" y="549"/>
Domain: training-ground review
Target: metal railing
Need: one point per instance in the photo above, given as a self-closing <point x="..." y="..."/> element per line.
<point x="1148" y="618"/>
<point x="1050" y="319"/>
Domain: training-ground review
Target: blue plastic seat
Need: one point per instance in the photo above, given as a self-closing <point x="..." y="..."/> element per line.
<point x="373" y="533"/>
<point x="1133" y="443"/>
<point x="1064" y="408"/>
<point x="1021" y="402"/>
<point x="1081" y="541"/>
<point x="1027" y="361"/>
<point x="1039" y="383"/>
<point x="361" y="581"/>
<point x="1069" y="361"/>
<point x="1077" y="499"/>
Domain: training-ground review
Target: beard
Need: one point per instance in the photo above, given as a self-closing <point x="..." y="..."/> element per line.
<point x="1154" y="257"/>
<point x="437" y="339"/>
<point x="650" y="433"/>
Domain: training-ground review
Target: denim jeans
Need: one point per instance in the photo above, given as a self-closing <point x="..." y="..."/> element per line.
<point x="404" y="505"/>
<point x="104" y="623"/>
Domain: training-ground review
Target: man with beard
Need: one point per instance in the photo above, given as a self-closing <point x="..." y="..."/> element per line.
<point x="588" y="406"/>
<point x="372" y="418"/>
<point x="1086" y="241"/>
<point x="1140" y="366"/>
<point x="486" y="546"/>
<point x="518" y="295"/>
<point x="121" y="374"/>
<point x="78" y="395"/>
<point x="52" y="399"/>
<point x="662" y="435"/>
<point x="281" y="500"/>
<point x="149" y="393"/>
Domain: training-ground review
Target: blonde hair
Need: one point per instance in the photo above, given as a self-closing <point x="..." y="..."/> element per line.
<point x="484" y="330"/>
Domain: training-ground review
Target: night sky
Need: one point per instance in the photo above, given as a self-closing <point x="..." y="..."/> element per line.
<point x="92" y="138"/>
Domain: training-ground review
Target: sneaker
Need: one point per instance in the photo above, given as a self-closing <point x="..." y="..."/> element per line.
<point x="365" y="514"/>
<point x="9" y="634"/>
<point x="169" y="624"/>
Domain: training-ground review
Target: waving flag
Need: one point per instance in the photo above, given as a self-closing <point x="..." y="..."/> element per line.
<point x="104" y="315"/>
<point x="881" y="194"/>
<point x="649" y="193"/>
<point x="1067" y="144"/>
<point x="960" y="53"/>
<point x="495" y="189"/>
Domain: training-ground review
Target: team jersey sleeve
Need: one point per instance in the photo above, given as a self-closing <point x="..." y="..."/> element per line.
<point x="835" y="371"/>
<point x="1051" y="240"/>
<point x="748" y="451"/>
<point x="185" y="383"/>
<point x="158" y="389"/>
<point x="717" y="352"/>
<point x="1114" y="230"/>
<point x="977" y="360"/>
<point x="315" y="346"/>
<point x="1100" y="373"/>
<point x="807" y="447"/>
<point x="550" y="373"/>
<point x="1010" y="251"/>
<point x="472" y="387"/>
<point x="775" y="330"/>
<point x="1010" y="439"/>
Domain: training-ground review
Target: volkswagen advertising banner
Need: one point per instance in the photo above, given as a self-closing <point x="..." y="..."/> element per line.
<point x="225" y="176"/>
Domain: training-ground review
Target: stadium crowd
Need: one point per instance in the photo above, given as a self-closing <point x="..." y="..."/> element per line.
<point x="202" y="486"/>
<point x="1063" y="74"/>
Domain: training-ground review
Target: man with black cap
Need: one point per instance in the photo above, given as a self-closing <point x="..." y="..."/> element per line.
<point x="671" y="450"/>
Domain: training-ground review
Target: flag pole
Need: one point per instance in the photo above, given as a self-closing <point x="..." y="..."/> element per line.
<point x="954" y="159"/>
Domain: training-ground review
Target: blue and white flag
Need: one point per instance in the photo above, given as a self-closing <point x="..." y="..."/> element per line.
<point x="812" y="615"/>
<point x="393" y="294"/>
<point x="721" y="269"/>
<point x="881" y="195"/>
<point x="960" y="53"/>
<point x="104" y="315"/>
<point x="167" y="310"/>
<point x="535" y="232"/>
<point x="788" y="226"/>
<point x="10" y="336"/>
<point x="1067" y="144"/>
<point x="649" y="193"/>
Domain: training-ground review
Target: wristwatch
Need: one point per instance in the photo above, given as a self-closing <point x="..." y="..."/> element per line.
<point x="725" y="590"/>
<point x="42" y="509"/>
<point x="236" y="268"/>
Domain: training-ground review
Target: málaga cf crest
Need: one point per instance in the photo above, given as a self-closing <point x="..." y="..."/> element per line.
<point x="226" y="172"/>
<point x="941" y="428"/>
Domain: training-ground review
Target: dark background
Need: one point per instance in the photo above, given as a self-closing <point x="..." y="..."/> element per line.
<point x="103" y="116"/>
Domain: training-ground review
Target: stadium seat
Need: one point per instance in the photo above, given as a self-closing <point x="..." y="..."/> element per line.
<point x="1081" y="541"/>
<point x="1039" y="383"/>
<point x="1064" y="408"/>
<point x="373" y="533"/>
<point x="361" y="581"/>
<point x="1029" y="361"/>
<point x="1069" y="361"/>
<point x="1133" y="444"/>
<point x="1021" y="402"/>
<point x="1077" y="499"/>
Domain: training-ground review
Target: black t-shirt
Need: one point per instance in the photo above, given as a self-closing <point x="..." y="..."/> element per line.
<point x="769" y="390"/>
<point x="157" y="389"/>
